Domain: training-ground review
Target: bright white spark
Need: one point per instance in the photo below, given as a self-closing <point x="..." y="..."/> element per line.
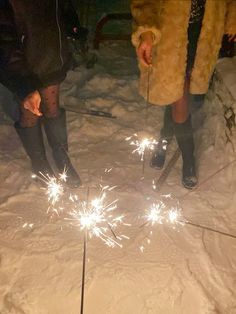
<point x="174" y="215"/>
<point x="97" y="218"/>
<point x="54" y="190"/>
<point x="165" y="212"/>
<point x="55" y="187"/>
<point x="63" y="176"/>
<point x="160" y="213"/>
<point x="141" y="144"/>
<point x="155" y="213"/>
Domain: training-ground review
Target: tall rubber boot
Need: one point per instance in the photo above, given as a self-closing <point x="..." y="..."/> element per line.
<point x="32" y="140"/>
<point x="56" y="132"/>
<point x="167" y="132"/>
<point x="184" y="137"/>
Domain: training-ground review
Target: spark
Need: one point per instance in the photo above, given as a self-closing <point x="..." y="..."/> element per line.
<point x="155" y="213"/>
<point x="97" y="218"/>
<point x="166" y="211"/>
<point x="141" y="144"/>
<point x="63" y="176"/>
<point x="173" y="216"/>
<point x="162" y="212"/>
<point x="54" y="190"/>
<point x="29" y="225"/>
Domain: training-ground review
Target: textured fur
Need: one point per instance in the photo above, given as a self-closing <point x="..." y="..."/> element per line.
<point x="168" y="20"/>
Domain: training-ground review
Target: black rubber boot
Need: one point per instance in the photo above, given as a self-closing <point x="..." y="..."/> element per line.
<point x="167" y="132"/>
<point x="184" y="137"/>
<point x="56" y="132"/>
<point x="32" y="140"/>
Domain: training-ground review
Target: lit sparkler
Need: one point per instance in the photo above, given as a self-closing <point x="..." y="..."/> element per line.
<point x="97" y="218"/>
<point x="142" y="145"/>
<point x="54" y="190"/>
<point x="165" y="211"/>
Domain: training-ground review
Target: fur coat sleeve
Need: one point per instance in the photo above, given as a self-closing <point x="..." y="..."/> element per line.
<point x="230" y="26"/>
<point x="145" y="13"/>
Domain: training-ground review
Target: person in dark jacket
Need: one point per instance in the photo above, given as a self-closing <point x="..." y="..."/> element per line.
<point x="34" y="60"/>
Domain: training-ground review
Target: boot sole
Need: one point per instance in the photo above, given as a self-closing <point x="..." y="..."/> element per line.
<point x="189" y="187"/>
<point x="156" y="167"/>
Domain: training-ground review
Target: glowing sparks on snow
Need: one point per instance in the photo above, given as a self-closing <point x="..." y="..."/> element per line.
<point x="166" y="211"/>
<point x="174" y="216"/>
<point x="97" y="218"/>
<point x="155" y="214"/>
<point x="141" y="144"/>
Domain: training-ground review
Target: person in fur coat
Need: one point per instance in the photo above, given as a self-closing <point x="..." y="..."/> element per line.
<point x="34" y="60"/>
<point x="178" y="43"/>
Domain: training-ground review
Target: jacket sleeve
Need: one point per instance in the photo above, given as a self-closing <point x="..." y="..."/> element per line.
<point x="43" y="39"/>
<point x="230" y="26"/>
<point x="145" y="15"/>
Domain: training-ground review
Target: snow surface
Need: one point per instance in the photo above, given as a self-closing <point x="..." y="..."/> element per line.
<point x="185" y="270"/>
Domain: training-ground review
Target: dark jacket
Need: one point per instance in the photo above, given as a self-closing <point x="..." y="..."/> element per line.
<point x="34" y="53"/>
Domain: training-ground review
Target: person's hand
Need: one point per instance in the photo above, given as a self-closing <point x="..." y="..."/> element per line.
<point x="231" y="37"/>
<point x="32" y="103"/>
<point x="144" y="51"/>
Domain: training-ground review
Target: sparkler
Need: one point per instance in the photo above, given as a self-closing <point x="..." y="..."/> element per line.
<point x="165" y="211"/>
<point x="160" y="212"/>
<point x="168" y="211"/>
<point x="142" y="145"/>
<point x="55" y="191"/>
<point x="145" y="143"/>
<point x="95" y="217"/>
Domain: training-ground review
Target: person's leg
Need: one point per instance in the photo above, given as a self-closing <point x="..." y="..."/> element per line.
<point x="50" y="101"/>
<point x="184" y="135"/>
<point x="29" y="131"/>
<point x="166" y="135"/>
<point x="55" y="127"/>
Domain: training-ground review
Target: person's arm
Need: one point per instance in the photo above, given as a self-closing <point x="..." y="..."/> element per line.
<point x="145" y="15"/>
<point x="230" y="25"/>
<point x="145" y="28"/>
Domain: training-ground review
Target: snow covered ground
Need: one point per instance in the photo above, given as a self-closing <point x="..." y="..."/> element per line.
<point x="185" y="270"/>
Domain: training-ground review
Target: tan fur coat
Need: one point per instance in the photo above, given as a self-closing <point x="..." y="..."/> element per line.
<point x="168" y="20"/>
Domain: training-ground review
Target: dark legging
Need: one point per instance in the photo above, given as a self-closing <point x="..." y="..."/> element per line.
<point x="180" y="108"/>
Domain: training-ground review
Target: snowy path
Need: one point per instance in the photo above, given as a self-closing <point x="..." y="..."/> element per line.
<point x="184" y="271"/>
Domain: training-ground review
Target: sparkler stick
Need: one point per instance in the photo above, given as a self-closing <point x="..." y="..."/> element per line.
<point x="143" y="168"/>
<point x="159" y="213"/>
<point x="94" y="218"/>
<point x="84" y="261"/>
<point x="146" y="114"/>
<point x="92" y="112"/>
<point x="193" y="224"/>
<point x="143" y="144"/>
<point x="83" y="273"/>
